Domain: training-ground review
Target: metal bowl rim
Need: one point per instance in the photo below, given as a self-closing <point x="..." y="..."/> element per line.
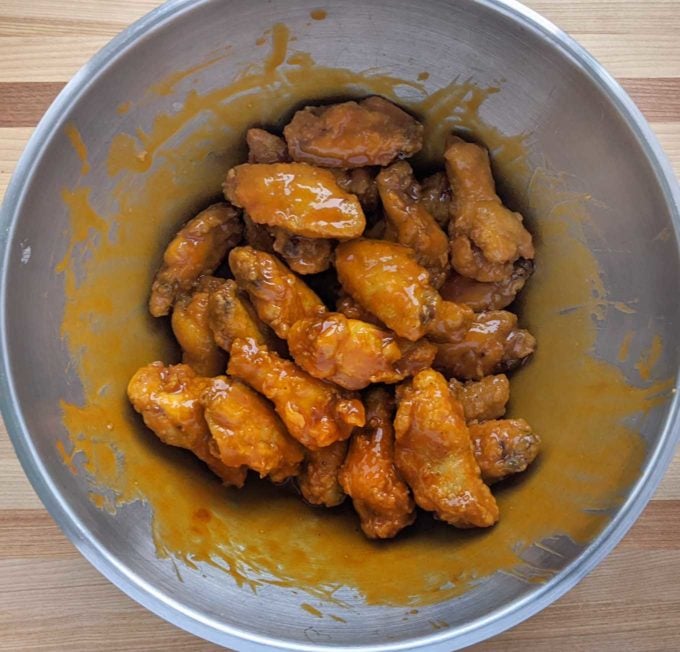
<point x="162" y="603"/>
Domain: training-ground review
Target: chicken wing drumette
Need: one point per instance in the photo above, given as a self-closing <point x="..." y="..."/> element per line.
<point x="369" y="475"/>
<point x="318" y="480"/>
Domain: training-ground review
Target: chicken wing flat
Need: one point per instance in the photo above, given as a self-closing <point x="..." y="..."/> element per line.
<point x="486" y="237"/>
<point x="434" y="454"/>
<point x="503" y="447"/>
<point x="360" y="182"/>
<point x="353" y="353"/>
<point x="300" y="198"/>
<point x="318" y="481"/>
<point x="279" y="296"/>
<point x="347" y="305"/>
<point x="483" y="399"/>
<point x="353" y="134"/>
<point x="369" y="475"/>
<point x="303" y="255"/>
<point x="265" y="147"/>
<point x="197" y="249"/>
<point x="410" y="221"/>
<point x="247" y="432"/>
<point x="493" y="344"/>
<point x="435" y="196"/>
<point x="169" y="400"/>
<point x="316" y="413"/>
<point x="385" y="278"/>
<point x="487" y="296"/>
<point x="232" y="316"/>
<point x="190" y="324"/>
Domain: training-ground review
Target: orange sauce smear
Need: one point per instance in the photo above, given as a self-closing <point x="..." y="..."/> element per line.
<point x="589" y="457"/>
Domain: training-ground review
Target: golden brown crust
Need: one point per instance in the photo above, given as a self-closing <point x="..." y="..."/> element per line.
<point x="318" y="481"/>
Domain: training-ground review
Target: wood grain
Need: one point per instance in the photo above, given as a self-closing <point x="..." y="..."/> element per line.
<point x="52" y="599"/>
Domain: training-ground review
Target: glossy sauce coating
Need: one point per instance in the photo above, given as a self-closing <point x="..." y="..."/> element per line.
<point x="410" y="221"/>
<point x="191" y="326"/>
<point x="300" y="198"/>
<point x="353" y="353"/>
<point x="379" y="494"/>
<point x="169" y="400"/>
<point x="486" y="237"/>
<point x="353" y="135"/>
<point x="246" y="431"/>
<point x="316" y="413"/>
<point x="279" y="296"/>
<point x="484" y="399"/>
<point x="434" y="453"/>
<point x="493" y="344"/>
<point x="197" y="249"/>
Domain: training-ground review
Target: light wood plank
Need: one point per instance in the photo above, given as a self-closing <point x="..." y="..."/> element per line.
<point x="13" y="141"/>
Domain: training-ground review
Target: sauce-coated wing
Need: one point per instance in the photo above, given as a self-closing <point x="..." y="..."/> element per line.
<point x="169" y="400"/>
<point x="385" y="279"/>
<point x="316" y="413"/>
<point x="247" y="432"/>
<point x="486" y="237"/>
<point x="353" y="134"/>
<point x="493" y="344"/>
<point x="279" y="296"/>
<point x="487" y="296"/>
<point x="434" y="454"/>
<point x="360" y="182"/>
<point x="412" y="225"/>
<point x="197" y="249"/>
<point x="354" y="353"/>
<point x="369" y="476"/>
<point x="231" y="316"/>
<point x="318" y="480"/>
<point x="503" y="447"/>
<point x="190" y="324"/>
<point x="483" y="399"/>
<point x="300" y="198"/>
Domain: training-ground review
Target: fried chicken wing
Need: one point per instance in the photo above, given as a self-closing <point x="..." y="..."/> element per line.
<point x="410" y="221"/>
<point x="434" y="454"/>
<point x="257" y="235"/>
<point x="232" y="316"/>
<point x="353" y="353"/>
<point x="353" y="134"/>
<point x="369" y="475"/>
<point x="318" y="481"/>
<point x="487" y="296"/>
<point x="435" y="196"/>
<point x="190" y="324"/>
<point x="385" y="278"/>
<point x="247" y="432"/>
<point x="279" y="297"/>
<point x="197" y="249"/>
<point x="265" y="147"/>
<point x="300" y="198"/>
<point x="483" y="399"/>
<point x="316" y="413"/>
<point x="303" y="255"/>
<point x="169" y="400"/>
<point x="360" y="182"/>
<point x="504" y="447"/>
<point x="492" y="344"/>
<point x="486" y="237"/>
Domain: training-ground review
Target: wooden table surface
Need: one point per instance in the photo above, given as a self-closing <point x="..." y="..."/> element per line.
<point x="52" y="599"/>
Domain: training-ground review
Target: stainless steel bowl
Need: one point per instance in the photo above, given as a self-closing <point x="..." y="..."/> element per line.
<point x="579" y="126"/>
